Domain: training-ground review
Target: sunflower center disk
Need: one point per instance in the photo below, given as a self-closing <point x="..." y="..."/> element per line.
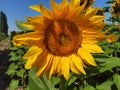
<point x="62" y="38"/>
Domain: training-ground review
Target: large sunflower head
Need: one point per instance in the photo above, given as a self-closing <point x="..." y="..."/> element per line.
<point x="63" y="38"/>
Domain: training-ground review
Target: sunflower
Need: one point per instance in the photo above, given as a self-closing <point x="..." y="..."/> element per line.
<point x="111" y="38"/>
<point x="62" y="39"/>
<point x="116" y="8"/>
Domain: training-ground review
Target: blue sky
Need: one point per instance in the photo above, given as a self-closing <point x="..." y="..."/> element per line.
<point x="18" y="9"/>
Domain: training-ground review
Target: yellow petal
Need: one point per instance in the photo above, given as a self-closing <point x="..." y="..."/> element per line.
<point x="86" y="56"/>
<point x="44" y="11"/>
<point x="26" y="36"/>
<point x="65" y="11"/>
<point x="35" y="7"/>
<point x="43" y="63"/>
<point x="26" y="39"/>
<point x="92" y="47"/>
<point x="78" y="64"/>
<point x="53" y="67"/>
<point x="57" y="63"/>
<point x="35" y="23"/>
<point x="64" y="8"/>
<point x="29" y="63"/>
<point x="71" y="3"/>
<point x="97" y="18"/>
<point x="32" y="52"/>
<point x="91" y="12"/>
<point x="93" y="36"/>
<point x="29" y="25"/>
<point x="65" y="67"/>
<point x="63" y="3"/>
<point x="75" y="11"/>
<point x="59" y="70"/>
<point x="75" y="3"/>
<point x="35" y="19"/>
<point x="54" y="6"/>
<point x="32" y="55"/>
<point x="73" y="67"/>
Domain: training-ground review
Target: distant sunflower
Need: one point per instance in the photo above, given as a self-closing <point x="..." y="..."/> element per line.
<point x="116" y="8"/>
<point x="111" y="38"/>
<point x="62" y="39"/>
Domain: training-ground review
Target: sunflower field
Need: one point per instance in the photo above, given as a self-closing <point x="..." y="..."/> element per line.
<point x="72" y="46"/>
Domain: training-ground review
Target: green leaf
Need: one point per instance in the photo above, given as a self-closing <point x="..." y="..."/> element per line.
<point x="14" y="84"/>
<point x="20" y="73"/>
<point x="106" y="62"/>
<point x="108" y="50"/>
<point x="89" y="87"/>
<point x="117" y="44"/>
<point x="54" y="81"/>
<point x="19" y="25"/>
<point x="41" y="83"/>
<point x="116" y="79"/>
<point x="13" y="48"/>
<point x="81" y="88"/>
<point x="14" y="56"/>
<point x="71" y="80"/>
<point x="27" y="88"/>
<point x="75" y="88"/>
<point x="11" y="69"/>
<point x="105" y="86"/>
